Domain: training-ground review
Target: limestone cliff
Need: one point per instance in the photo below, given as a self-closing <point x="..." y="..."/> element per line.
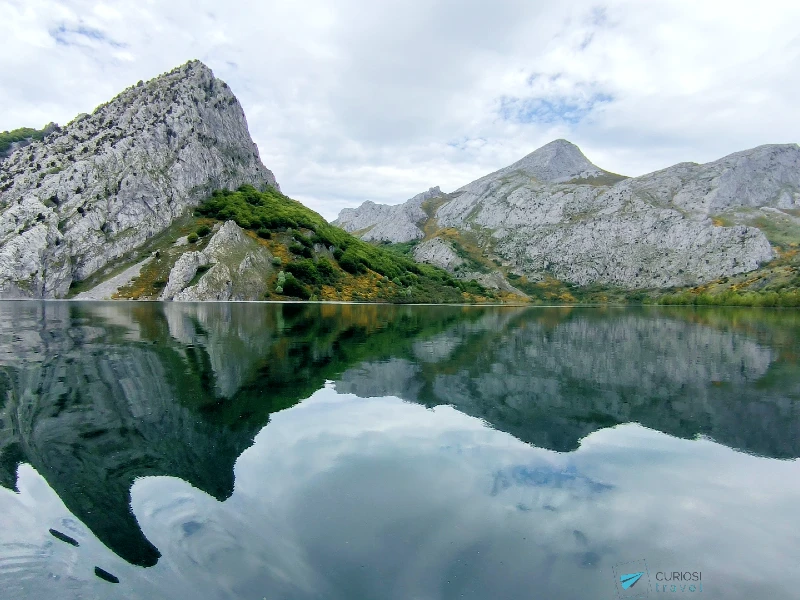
<point x="100" y="187"/>
<point x="381" y="222"/>
<point x="554" y="213"/>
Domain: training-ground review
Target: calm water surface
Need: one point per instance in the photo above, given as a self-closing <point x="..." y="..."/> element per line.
<point x="355" y="452"/>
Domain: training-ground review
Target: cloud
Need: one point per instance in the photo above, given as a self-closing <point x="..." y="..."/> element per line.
<point x="359" y="100"/>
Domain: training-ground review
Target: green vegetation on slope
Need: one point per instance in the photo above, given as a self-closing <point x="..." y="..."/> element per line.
<point x="733" y="298"/>
<point x="16" y="135"/>
<point x="321" y="261"/>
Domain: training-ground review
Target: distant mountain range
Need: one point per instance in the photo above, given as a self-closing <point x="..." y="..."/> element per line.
<point x="554" y="214"/>
<point x="105" y="207"/>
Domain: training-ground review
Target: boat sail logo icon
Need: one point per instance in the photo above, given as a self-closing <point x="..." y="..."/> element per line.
<point x="632" y="579"/>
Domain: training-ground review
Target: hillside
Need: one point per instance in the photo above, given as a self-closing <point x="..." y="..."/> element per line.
<point x="251" y="245"/>
<point x="18" y="138"/>
<point x="559" y="228"/>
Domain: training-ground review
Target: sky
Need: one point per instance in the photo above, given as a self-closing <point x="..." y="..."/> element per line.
<point x="360" y="100"/>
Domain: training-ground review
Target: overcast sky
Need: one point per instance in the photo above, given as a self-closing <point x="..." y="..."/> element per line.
<point x="381" y="99"/>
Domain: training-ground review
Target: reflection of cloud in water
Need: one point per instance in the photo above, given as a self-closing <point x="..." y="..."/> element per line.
<point x="342" y="497"/>
<point x="380" y="498"/>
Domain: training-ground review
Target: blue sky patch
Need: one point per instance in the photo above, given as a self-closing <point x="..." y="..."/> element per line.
<point x="549" y="110"/>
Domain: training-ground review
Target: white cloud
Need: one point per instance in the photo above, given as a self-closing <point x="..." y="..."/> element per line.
<point x="379" y="100"/>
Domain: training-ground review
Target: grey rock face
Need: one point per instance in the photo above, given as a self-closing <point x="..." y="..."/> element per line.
<point x="555" y="213"/>
<point x="494" y="280"/>
<point x="101" y="186"/>
<point x="383" y="222"/>
<point x="438" y="252"/>
<point x="238" y="272"/>
<point x="559" y="161"/>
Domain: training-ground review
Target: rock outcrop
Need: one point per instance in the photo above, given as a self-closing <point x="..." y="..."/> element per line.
<point x="439" y="252"/>
<point x="232" y="267"/>
<point x="555" y="213"/>
<point x="101" y="186"/>
<point x="381" y="222"/>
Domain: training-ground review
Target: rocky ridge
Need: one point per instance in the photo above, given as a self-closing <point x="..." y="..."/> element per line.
<point x="554" y="213"/>
<point x="98" y="188"/>
<point x="381" y="222"/>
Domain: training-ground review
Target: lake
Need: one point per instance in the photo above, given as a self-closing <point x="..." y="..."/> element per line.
<point x="307" y="451"/>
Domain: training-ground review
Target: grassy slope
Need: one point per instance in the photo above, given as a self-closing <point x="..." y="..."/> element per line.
<point x="313" y="259"/>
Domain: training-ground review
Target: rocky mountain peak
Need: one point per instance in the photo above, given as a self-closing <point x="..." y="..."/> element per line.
<point x="556" y="162"/>
<point x="101" y="186"/>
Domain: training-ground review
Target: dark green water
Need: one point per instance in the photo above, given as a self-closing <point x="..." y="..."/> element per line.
<point x="356" y="452"/>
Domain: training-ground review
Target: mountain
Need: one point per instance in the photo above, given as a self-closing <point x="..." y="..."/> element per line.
<point x="251" y="245"/>
<point x="95" y="190"/>
<point x="160" y="194"/>
<point x="553" y="215"/>
<point x="381" y="222"/>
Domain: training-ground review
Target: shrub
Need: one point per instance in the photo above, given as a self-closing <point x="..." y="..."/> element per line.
<point x="264" y="233"/>
<point x="301" y="250"/>
<point x="304" y="270"/>
<point x="352" y="262"/>
<point x="326" y="270"/>
<point x="192" y="238"/>
<point x="301" y="239"/>
<point x="292" y="287"/>
<point x="279" y="289"/>
<point x="203" y="230"/>
<point x="276" y="260"/>
<point x="271" y="211"/>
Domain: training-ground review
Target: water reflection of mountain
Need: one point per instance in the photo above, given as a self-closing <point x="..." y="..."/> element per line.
<point x="96" y="395"/>
<point x="551" y="381"/>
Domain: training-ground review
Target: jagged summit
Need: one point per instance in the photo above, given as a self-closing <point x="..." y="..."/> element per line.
<point x="555" y="214"/>
<point x="105" y="183"/>
<point x="385" y="222"/>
